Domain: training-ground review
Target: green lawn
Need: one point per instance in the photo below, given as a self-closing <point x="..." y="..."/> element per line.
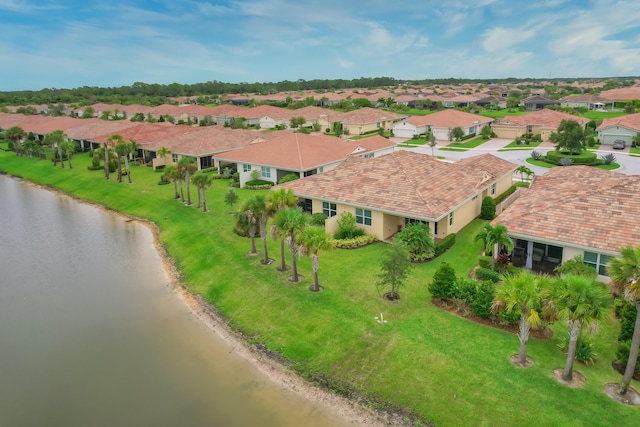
<point x="471" y="143"/>
<point x="515" y="145"/>
<point x="602" y="114"/>
<point x="358" y="137"/>
<point x="498" y="114"/>
<point x="425" y="361"/>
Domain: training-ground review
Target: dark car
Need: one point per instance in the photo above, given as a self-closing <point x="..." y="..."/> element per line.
<point x="619" y="144"/>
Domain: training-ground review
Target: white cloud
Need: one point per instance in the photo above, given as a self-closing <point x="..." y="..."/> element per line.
<point x="498" y="38"/>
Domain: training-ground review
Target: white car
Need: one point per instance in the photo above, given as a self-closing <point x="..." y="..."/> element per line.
<point x="619" y="144"/>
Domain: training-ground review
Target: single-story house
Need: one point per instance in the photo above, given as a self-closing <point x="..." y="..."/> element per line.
<point x="537" y="102"/>
<point x="385" y="193"/>
<point x="619" y="128"/>
<point x="365" y="120"/>
<point x="542" y="122"/>
<point x="590" y="102"/>
<point x="577" y="210"/>
<point x="441" y="123"/>
<point x="299" y="154"/>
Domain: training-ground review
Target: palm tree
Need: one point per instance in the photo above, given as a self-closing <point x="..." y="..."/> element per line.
<point x="291" y="222"/>
<point x="581" y="302"/>
<point x="54" y="140"/>
<point x="251" y="210"/>
<point x="208" y="182"/>
<point x="69" y="147"/>
<point x="521" y="293"/>
<point x="260" y="212"/>
<point x="198" y="180"/>
<point x="112" y="141"/>
<point x="122" y="150"/>
<point x="625" y="276"/>
<point x="312" y="241"/>
<point x="202" y="181"/>
<point x="164" y="152"/>
<point x="171" y="172"/>
<point x="523" y="171"/>
<point x="180" y="172"/>
<point x="189" y="167"/>
<point x="491" y="236"/>
<point x="15" y="134"/>
<point x="279" y="200"/>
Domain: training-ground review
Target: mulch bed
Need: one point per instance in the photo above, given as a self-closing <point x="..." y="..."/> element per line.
<point x="451" y="307"/>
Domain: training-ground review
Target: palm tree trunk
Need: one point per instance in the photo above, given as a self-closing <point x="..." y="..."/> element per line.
<point x="524" y="337"/>
<point x="633" y="355"/>
<point x="283" y="264"/>
<point x="175" y="187"/>
<point x="53" y="155"/>
<point x="263" y="236"/>
<point x="199" y="199"/>
<point x="574" y="331"/>
<point x="294" y="265"/>
<point x="181" y="191"/>
<point x="60" y="154"/>
<point x="314" y="263"/>
<point x="106" y="161"/>
<point x="126" y="167"/>
<point x="69" y="159"/>
<point x="204" y="199"/>
<point x="119" y="167"/>
<point x="252" y="234"/>
<point x="188" y="189"/>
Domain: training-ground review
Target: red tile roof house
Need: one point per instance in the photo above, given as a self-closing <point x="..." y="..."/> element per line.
<point x="366" y="120"/>
<point x="619" y="128"/>
<point x="387" y="192"/>
<point x="542" y="122"/>
<point x="440" y="124"/>
<point x="562" y="215"/>
<point x="301" y="154"/>
<point x="590" y="102"/>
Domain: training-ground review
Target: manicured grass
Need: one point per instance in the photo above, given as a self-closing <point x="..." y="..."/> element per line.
<point x="428" y="362"/>
<point x="471" y="143"/>
<point x="602" y="114"/>
<point x="515" y="145"/>
<point x="447" y="148"/>
<point x="612" y="166"/>
<point x="498" y="114"/>
<point x="634" y="150"/>
<point x="357" y="137"/>
<point x="540" y="163"/>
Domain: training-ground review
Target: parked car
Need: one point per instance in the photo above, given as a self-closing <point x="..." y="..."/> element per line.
<point x="619" y="144"/>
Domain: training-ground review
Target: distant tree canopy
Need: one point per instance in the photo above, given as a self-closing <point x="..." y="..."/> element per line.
<point x="155" y="94"/>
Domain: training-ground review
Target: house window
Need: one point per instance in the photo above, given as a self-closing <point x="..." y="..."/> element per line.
<point x="368" y="156"/>
<point x="174" y="158"/>
<point x="597" y="261"/>
<point x="378" y="125"/>
<point x="329" y="209"/>
<point x="321" y="169"/>
<point x="266" y="172"/>
<point x="363" y="216"/>
<point x="493" y="189"/>
<point x="246" y="168"/>
<point x="451" y="218"/>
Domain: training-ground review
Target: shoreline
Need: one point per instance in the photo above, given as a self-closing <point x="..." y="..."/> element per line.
<point x="276" y="371"/>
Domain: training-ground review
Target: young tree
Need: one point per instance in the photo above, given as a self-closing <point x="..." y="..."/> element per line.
<point x="486" y="132"/>
<point x="230" y="197"/>
<point x="394" y="269"/>
<point x="523" y="171"/>
<point x="521" y="293"/>
<point x="171" y="173"/>
<point x="431" y="141"/>
<point x="290" y="223"/>
<point x="512" y="102"/>
<point x="569" y="137"/>
<point x="68" y="147"/>
<point x="251" y="211"/>
<point x="491" y="236"/>
<point x="164" y="152"/>
<point x="281" y="199"/>
<point x="625" y="276"/>
<point x="189" y="167"/>
<point x="582" y="303"/>
<point x="312" y="241"/>
<point x="54" y="140"/>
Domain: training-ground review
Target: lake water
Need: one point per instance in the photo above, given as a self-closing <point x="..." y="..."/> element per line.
<point x="92" y="335"/>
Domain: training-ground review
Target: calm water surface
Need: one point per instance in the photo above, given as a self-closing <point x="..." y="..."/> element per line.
<point x="91" y="335"/>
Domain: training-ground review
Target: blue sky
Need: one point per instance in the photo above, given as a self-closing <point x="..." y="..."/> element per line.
<point x="68" y="44"/>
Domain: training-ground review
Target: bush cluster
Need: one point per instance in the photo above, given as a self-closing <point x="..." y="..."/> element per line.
<point x="487" y="274"/>
<point x="585" y="158"/>
<point x="443" y="245"/>
<point x="356" y="242"/>
<point x="258" y="184"/>
<point x="478" y="296"/>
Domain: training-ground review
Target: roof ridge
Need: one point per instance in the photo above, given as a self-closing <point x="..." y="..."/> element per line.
<point x="295" y="135"/>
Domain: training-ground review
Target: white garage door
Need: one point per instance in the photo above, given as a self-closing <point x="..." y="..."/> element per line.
<point x="610" y="137"/>
<point x="403" y="133"/>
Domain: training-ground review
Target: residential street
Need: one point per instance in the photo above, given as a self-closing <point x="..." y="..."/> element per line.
<point x="628" y="165"/>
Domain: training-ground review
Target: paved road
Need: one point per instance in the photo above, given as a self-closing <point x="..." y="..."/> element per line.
<point x="628" y="165"/>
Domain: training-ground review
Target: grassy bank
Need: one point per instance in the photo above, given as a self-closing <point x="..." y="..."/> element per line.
<point x="428" y="362"/>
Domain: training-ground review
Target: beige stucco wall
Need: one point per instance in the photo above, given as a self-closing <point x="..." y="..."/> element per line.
<point x="508" y="132"/>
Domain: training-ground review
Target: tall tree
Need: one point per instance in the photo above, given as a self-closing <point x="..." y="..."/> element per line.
<point x="394" y="269"/>
<point x="569" y="137"/>
<point x="171" y="173"/>
<point x="279" y="200"/>
<point x="523" y="171"/>
<point x="15" y="134"/>
<point x="312" y="241"/>
<point x="110" y="144"/>
<point x="189" y="166"/>
<point x="164" y="152"/>
<point x="122" y="150"/>
<point x="53" y="140"/>
<point x="491" y="236"/>
<point x="68" y="147"/>
<point x="521" y="293"/>
<point x="252" y="209"/>
<point x="291" y="222"/>
<point x="582" y="303"/>
<point x="625" y="276"/>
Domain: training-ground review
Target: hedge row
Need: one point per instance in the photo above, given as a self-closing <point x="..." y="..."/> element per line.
<point x="443" y="245"/>
<point x="356" y="242"/>
<point x="506" y="194"/>
<point x="584" y="158"/>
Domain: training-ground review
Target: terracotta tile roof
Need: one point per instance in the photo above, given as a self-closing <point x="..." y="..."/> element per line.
<point x="546" y="118"/>
<point x="210" y="140"/>
<point x="632" y="121"/>
<point x="405" y="183"/>
<point x="297" y="151"/>
<point x="228" y="110"/>
<point x="622" y="94"/>
<point x="449" y="119"/>
<point x="578" y="205"/>
<point x="146" y="132"/>
<point x="584" y="98"/>
<point x="369" y="115"/>
<point x="89" y="129"/>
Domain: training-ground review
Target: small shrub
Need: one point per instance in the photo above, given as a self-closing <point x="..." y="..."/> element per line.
<point x="289" y="177"/>
<point x="481" y="304"/>
<point x="535" y="155"/>
<point x="444" y="245"/>
<point x="608" y="158"/>
<point x="356" y="242"/>
<point x="444" y="282"/>
<point x="227" y="173"/>
<point x="485" y="261"/>
<point x="236" y="177"/>
<point x="487" y="274"/>
<point x="255" y="175"/>
<point x="348" y="234"/>
<point x="318" y="219"/>
<point x="347" y="227"/>
<point x="565" y="161"/>
<point x="510" y="318"/>
<point x="465" y="289"/>
<point x="488" y="209"/>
